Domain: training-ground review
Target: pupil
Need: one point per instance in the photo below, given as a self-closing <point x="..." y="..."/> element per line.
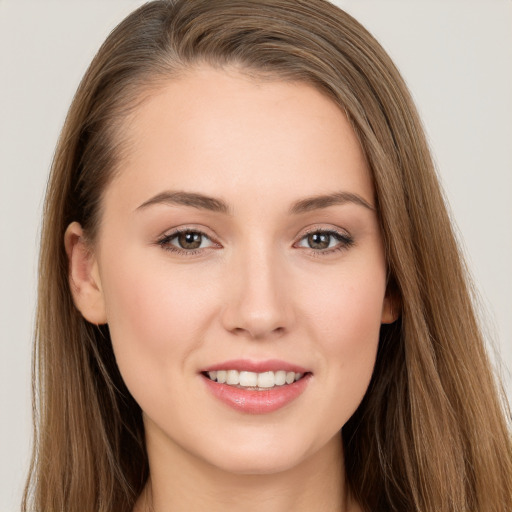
<point x="189" y="240"/>
<point x="319" y="240"/>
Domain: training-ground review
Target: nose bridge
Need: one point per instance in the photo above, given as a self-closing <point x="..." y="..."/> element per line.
<point x="259" y="304"/>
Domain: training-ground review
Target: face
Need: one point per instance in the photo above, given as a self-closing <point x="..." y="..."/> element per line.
<point x="240" y="238"/>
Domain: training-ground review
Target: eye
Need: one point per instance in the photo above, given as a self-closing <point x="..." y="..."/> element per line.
<point x="186" y="241"/>
<point x="325" y="241"/>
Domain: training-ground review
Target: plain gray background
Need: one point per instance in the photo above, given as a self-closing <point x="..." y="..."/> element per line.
<point x="456" y="56"/>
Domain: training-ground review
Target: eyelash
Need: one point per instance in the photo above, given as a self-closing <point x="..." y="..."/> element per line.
<point x="345" y="242"/>
<point x="165" y="242"/>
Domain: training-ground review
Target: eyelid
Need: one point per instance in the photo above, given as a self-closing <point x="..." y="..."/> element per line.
<point x="345" y="239"/>
<point x="165" y="238"/>
<point x="322" y="228"/>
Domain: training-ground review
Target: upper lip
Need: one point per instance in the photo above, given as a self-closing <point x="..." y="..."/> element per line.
<point x="269" y="365"/>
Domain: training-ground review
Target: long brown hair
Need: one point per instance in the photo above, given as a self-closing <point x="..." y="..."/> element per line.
<point x="431" y="432"/>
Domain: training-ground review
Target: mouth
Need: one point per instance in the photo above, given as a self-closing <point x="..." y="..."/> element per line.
<point x="256" y="387"/>
<point x="254" y="381"/>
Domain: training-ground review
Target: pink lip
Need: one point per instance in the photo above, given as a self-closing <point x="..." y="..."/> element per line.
<point x="257" y="402"/>
<point x="270" y="365"/>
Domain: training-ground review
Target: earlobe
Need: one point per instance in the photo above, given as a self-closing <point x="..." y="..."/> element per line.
<point x="83" y="275"/>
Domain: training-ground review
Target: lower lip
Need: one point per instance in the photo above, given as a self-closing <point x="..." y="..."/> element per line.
<point x="257" y="402"/>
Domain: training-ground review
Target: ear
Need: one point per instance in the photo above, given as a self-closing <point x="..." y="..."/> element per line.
<point x="83" y="274"/>
<point x="391" y="307"/>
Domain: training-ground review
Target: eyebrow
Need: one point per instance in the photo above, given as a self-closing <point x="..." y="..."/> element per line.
<point x="213" y="204"/>
<point x="192" y="199"/>
<point x="324" y="201"/>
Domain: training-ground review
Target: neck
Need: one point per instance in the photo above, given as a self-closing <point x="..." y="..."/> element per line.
<point x="179" y="481"/>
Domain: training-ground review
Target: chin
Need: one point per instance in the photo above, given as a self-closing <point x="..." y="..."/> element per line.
<point x="264" y="466"/>
<point x="259" y="456"/>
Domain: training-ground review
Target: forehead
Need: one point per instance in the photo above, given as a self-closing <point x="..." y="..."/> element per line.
<point x="225" y="134"/>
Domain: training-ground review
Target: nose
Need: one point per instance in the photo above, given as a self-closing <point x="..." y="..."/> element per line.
<point x="259" y="304"/>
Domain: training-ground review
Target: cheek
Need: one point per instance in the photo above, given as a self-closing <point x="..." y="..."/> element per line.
<point x="347" y="308"/>
<point x="345" y="320"/>
<point x="155" y="316"/>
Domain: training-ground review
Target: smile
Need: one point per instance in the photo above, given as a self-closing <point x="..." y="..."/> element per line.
<point x="256" y="387"/>
<point x="253" y="380"/>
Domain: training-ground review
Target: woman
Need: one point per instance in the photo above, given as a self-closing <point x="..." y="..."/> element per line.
<point x="245" y="250"/>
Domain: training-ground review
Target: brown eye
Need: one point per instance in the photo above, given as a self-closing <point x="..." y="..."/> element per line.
<point x="189" y="240"/>
<point x="186" y="242"/>
<point x="325" y="242"/>
<point x="319" y="240"/>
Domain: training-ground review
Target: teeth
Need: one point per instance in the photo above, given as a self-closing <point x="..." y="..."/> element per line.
<point x="232" y="377"/>
<point x="263" y="380"/>
<point x="248" y="379"/>
<point x="280" y="378"/>
<point x="266" y="380"/>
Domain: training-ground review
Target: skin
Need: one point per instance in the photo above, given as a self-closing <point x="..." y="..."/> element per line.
<point x="255" y="289"/>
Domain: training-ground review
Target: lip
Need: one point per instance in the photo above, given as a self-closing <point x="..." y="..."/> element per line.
<point x="247" y="365"/>
<point x="250" y="401"/>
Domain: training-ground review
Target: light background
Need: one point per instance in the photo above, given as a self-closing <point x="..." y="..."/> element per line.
<point x="456" y="56"/>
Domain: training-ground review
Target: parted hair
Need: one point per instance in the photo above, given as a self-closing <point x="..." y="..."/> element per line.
<point x="432" y="432"/>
